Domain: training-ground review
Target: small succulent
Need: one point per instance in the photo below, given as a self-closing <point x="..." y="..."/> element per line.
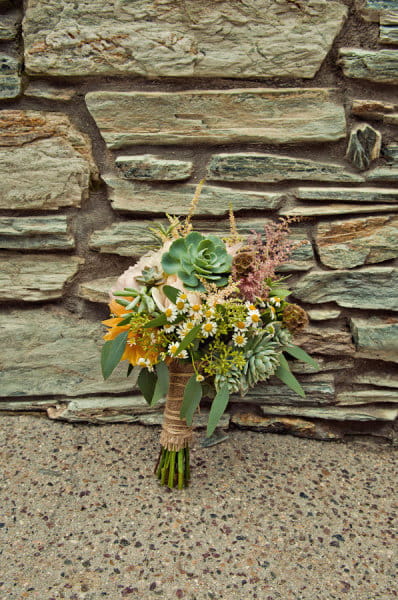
<point x="232" y="379"/>
<point x="150" y="276"/>
<point x="283" y="336"/>
<point x="262" y="360"/>
<point x="197" y="257"/>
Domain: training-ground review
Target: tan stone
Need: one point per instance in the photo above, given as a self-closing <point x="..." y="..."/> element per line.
<point x="35" y="233"/>
<point x="327" y="341"/>
<point x="33" y="278"/>
<point x="53" y="155"/>
<point x="336" y="413"/>
<point x="276" y="116"/>
<point x="97" y="290"/>
<point x="380" y="66"/>
<point x="367" y="397"/>
<point x="375" y="109"/>
<point x="255" y="38"/>
<point x="347" y="244"/>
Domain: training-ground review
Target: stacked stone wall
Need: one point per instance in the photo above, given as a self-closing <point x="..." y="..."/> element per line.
<point x="110" y="113"/>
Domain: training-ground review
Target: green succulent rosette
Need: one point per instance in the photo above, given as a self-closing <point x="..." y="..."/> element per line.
<point x="197" y="257"/>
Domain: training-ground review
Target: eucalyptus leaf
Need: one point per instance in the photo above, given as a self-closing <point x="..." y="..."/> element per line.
<point x="125" y="321"/>
<point x="217" y="409"/>
<point x="191" y="335"/>
<point x="146" y="382"/>
<point x="158" y="322"/>
<point x="301" y="354"/>
<point x="284" y="373"/>
<point x="192" y="398"/>
<point x="162" y="383"/>
<point x="171" y="292"/>
<point x="112" y="352"/>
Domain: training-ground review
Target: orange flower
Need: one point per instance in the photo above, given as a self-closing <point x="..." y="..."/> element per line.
<point x="113" y="323"/>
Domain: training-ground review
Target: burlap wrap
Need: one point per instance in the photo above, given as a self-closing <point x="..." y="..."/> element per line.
<point x="175" y="433"/>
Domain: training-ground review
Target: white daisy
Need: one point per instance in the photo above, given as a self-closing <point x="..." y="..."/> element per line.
<point x="195" y="311"/>
<point x="239" y="339"/>
<point x="169" y="328"/>
<point x="171" y="313"/>
<point x="199" y="377"/>
<point x="253" y="318"/>
<point x="240" y="326"/>
<point x="209" y="328"/>
<point x="209" y="313"/>
<point x="275" y="301"/>
<point x="172" y="348"/>
<point x="251" y="307"/>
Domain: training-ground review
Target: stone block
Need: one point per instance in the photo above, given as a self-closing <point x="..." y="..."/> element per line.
<point x="133" y="239"/>
<point x="373" y="287"/>
<point x="378" y="110"/>
<point x="260" y="39"/>
<point x="376" y="338"/>
<point x="10" y="77"/>
<point x="336" y="413"/>
<point x="363" y="146"/>
<point x="265" y="115"/>
<point x="389" y="34"/>
<point x="269" y="168"/>
<point x="348" y="194"/>
<point x="347" y="244"/>
<point x="325" y="341"/>
<point x="374" y="10"/>
<point x="53" y="353"/>
<point x="380" y="66"/>
<point x="357" y="397"/>
<point x="383" y="174"/>
<point x="319" y="390"/>
<point x="377" y="378"/>
<point x="56" y="159"/>
<point x="35" y="233"/>
<point x="43" y="89"/>
<point x="323" y="314"/>
<point x="294" y="426"/>
<point x="335" y="209"/>
<point x="9" y="26"/>
<point x="33" y="278"/>
<point x="141" y="198"/>
<point x="153" y="168"/>
<point x="97" y="290"/>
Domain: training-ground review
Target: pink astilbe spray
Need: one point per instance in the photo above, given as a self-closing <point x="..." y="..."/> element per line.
<point x="267" y="255"/>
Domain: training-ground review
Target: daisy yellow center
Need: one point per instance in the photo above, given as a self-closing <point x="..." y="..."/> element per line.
<point x="240" y="325"/>
<point x="196" y="307"/>
<point x="168" y="312"/>
<point x="255" y="318"/>
<point x="251" y="307"/>
<point x="239" y="339"/>
<point x="180" y="304"/>
<point x="208" y="327"/>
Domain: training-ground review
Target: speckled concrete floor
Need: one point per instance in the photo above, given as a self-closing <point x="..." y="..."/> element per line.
<point x="266" y="516"/>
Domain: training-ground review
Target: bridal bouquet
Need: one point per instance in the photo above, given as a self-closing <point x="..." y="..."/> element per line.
<point x="203" y="316"/>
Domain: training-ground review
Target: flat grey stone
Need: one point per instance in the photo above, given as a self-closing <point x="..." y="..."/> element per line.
<point x="43" y="89"/>
<point x="325" y="210"/>
<point x="153" y="168"/>
<point x="129" y="197"/>
<point x="389" y="34"/>
<point x="376" y="338"/>
<point x="52" y="352"/>
<point x="363" y="146"/>
<point x="380" y="66"/>
<point x="268" y="168"/>
<point x="33" y="278"/>
<point x="325" y="364"/>
<point x="383" y="174"/>
<point x="319" y="392"/>
<point x="377" y="378"/>
<point x="336" y="413"/>
<point x="347" y="194"/>
<point x="218" y="116"/>
<point x="191" y="39"/>
<point x="294" y="426"/>
<point x="367" y="397"/>
<point x="35" y="233"/>
<point x="10" y="78"/>
<point x="127" y="238"/>
<point x="55" y="157"/>
<point x="372" y="287"/>
<point x="10" y="24"/>
<point x="97" y="290"/>
<point x="378" y="110"/>
<point x="374" y="10"/>
<point x="355" y="242"/>
<point x="323" y="314"/>
<point x="327" y="341"/>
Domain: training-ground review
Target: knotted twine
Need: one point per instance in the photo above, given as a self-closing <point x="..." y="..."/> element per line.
<point x="176" y="434"/>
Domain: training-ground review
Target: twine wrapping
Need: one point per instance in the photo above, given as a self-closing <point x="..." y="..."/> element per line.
<point x="176" y="434"/>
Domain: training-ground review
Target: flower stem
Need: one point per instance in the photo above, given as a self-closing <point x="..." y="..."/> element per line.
<point x="173" y="468"/>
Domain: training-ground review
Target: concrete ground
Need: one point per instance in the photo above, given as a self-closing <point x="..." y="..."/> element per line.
<point x="267" y="516"/>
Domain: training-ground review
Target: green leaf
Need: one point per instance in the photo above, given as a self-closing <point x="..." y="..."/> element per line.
<point x="158" y="322"/>
<point x="169" y="263"/>
<point x="191" y="335"/>
<point x="217" y="409"/>
<point x="192" y="398"/>
<point x="171" y="292"/>
<point x="284" y="373"/>
<point x="130" y="369"/>
<point x="301" y="354"/>
<point x="162" y="383"/>
<point x="125" y="321"/>
<point x="147" y="382"/>
<point x="279" y="293"/>
<point x="112" y="352"/>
